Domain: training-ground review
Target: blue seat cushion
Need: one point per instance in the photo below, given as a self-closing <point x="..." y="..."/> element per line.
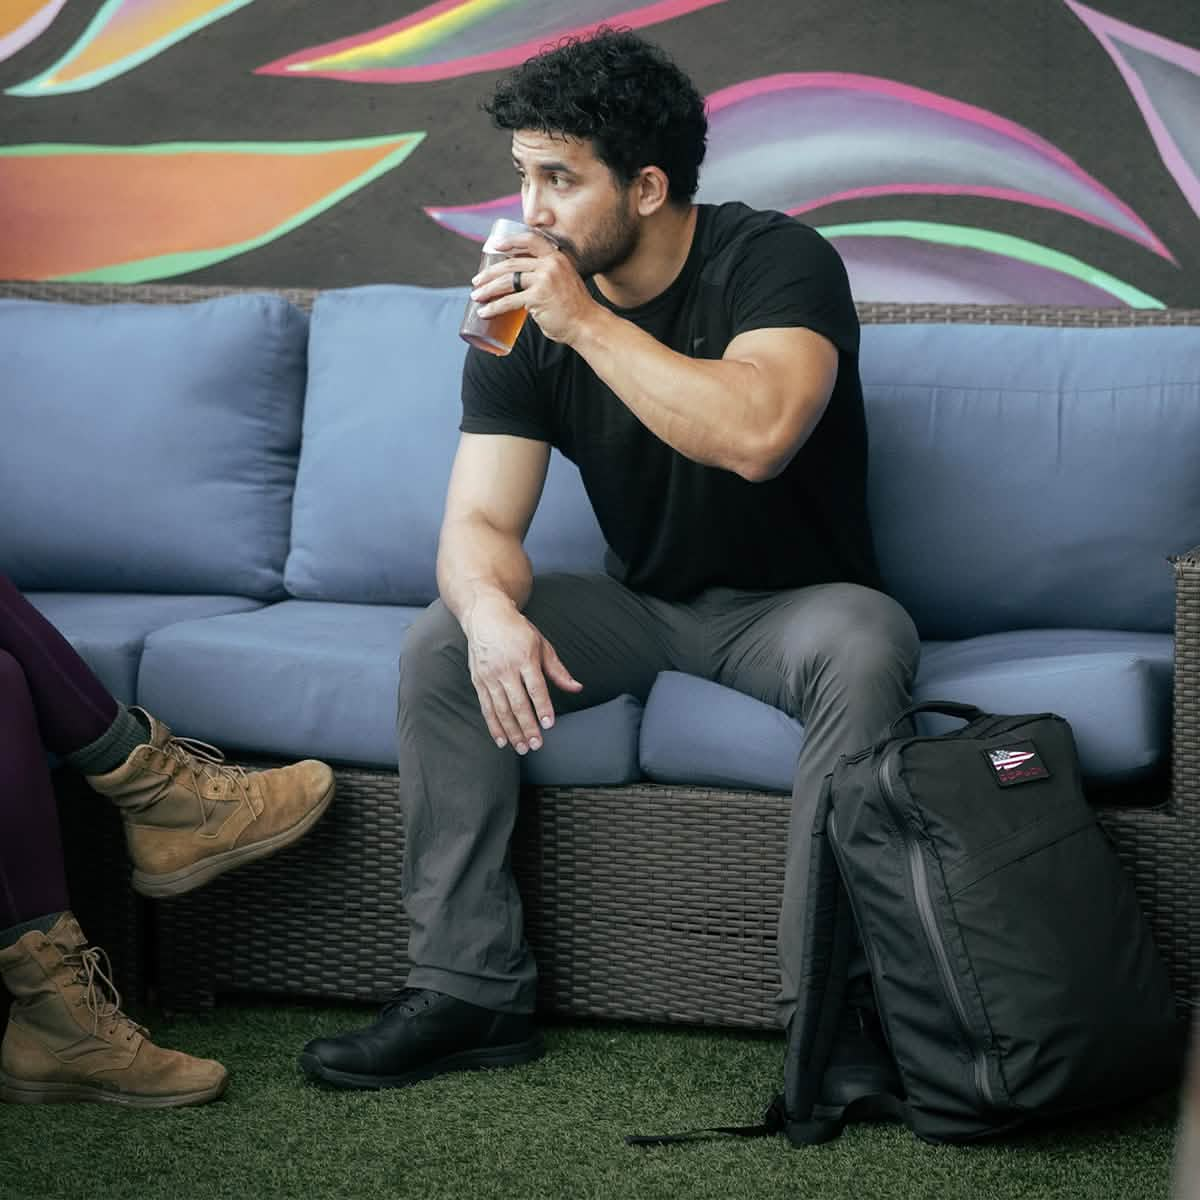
<point x="595" y="747"/>
<point x="701" y="733"/>
<point x="307" y="678"/>
<point x="1113" y="688"/>
<point x="1032" y="478"/>
<point x="381" y="423"/>
<point x="298" y="679"/>
<point x="150" y="447"/>
<point x="108" y="630"/>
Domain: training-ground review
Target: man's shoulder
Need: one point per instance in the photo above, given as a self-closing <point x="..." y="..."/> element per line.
<point x="733" y="230"/>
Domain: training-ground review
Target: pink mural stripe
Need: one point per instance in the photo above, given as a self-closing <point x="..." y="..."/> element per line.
<point x="936" y="189"/>
<point x="1111" y="33"/>
<point x="968" y="113"/>
<point x="24" y="20"/>
<point x="798" y="142"/>
<point x="303" y="63"/>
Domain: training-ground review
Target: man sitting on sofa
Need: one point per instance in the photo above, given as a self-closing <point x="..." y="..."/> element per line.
<point x="700" y="365"/>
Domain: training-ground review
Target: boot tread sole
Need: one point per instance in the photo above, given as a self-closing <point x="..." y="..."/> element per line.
<point x="477" y="1059"/>
<point x="32" y="1091"/>
<point x="187" y="879"/>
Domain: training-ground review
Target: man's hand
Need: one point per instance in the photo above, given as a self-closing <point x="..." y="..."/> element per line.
<point x="510" y="662"/>
<point x="551" y="289"/>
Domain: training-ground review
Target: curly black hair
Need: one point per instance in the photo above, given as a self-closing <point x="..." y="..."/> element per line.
<point x="621" y="92"/>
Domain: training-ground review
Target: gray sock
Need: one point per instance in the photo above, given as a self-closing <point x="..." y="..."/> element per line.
<point x="127" y="732"/>
<point x="9" y="937"/>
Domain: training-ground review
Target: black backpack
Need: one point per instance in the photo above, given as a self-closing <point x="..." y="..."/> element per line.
<point x="1013" y="972"/>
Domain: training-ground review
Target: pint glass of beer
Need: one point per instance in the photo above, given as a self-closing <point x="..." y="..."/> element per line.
<point x="497" y="334"/>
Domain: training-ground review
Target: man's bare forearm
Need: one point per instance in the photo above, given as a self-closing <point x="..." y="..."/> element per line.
<point x="477" y="562"/>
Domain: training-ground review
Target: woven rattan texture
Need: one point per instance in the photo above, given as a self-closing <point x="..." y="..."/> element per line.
<point x="98" y="871"/>
<point x="869" y="313"/>
<point x="645" y="902"/>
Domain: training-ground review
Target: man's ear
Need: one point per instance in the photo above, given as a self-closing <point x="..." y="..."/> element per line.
<point x="653" y="190"/>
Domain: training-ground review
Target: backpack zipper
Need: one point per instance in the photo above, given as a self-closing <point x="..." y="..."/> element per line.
<point x="933" y="935"/>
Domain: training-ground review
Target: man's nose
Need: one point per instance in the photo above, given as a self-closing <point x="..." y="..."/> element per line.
<point x="533" y="212"/>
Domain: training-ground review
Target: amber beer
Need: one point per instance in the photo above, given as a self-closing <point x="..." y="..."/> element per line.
<point x="495" y="335"/>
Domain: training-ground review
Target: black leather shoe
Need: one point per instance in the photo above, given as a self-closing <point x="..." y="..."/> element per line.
<point x="860" y="1067"/>
<point x="419" y="1034"/>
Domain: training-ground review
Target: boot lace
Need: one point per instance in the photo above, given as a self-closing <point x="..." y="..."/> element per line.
<point x="205" y="762"/>
<point x="101" y="996"/>
<point x="408" y="1001"/>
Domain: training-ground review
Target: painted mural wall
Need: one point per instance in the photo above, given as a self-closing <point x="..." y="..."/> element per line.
<point x="1030" y="151"/>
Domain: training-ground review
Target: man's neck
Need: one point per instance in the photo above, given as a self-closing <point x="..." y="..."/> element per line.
<point x="666" y="241"/>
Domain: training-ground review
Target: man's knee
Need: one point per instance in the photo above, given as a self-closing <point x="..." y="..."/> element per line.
<point x="875" y="631"/>
<point x="857" y="635"/>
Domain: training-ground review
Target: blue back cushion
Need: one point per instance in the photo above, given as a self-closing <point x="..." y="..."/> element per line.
<point x="1024" y="477"/>
<point x="148" y="447"/>
<point x="380" y="430"/>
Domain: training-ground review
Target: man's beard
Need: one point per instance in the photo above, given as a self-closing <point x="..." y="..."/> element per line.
<point x="610" y="247"/>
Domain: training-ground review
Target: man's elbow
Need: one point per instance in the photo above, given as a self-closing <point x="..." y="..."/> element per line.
<point x="767" y="459"/>
<point x="767" y="453"/>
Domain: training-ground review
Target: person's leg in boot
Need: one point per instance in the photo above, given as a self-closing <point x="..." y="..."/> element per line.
<point x="470" y="995"/>
<point x="841" y="659"/>
<point x="188" y="816"/>
<point x="66" y="1038"/>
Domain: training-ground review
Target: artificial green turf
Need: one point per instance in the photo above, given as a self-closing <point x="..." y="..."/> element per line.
<point x="554" y="1128"/>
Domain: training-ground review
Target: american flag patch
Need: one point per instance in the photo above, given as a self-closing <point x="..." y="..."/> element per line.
<point x="1016" y="763"/>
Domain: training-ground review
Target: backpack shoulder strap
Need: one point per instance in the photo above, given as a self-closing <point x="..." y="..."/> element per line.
<point x="828" y="938"/>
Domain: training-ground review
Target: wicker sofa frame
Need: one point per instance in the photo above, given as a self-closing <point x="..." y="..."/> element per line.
<point x="645" y="902"/>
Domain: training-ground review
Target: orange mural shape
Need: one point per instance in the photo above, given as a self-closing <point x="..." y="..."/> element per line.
<point x="21" y="21"/>
<point x="132" y="213"/>
<point x="18" y="13"/>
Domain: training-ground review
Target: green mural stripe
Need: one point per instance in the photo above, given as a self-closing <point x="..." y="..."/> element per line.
<point x="35" y="149"/>
<point x="998" y="243"/>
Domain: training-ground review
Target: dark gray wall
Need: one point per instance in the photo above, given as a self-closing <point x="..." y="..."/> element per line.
<point x="1030" y="61"/>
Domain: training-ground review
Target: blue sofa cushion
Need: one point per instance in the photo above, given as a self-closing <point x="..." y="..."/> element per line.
<point x="149" y="447"/>
<point x="595" y="747"/>
<point x="308" y="678"/>
<point x="1025" y="477"/>
<point x="380" y="430"/>
<point x="1114" y="689"/>
<point x="701" y="733"/>
<point x="108" y="629"/>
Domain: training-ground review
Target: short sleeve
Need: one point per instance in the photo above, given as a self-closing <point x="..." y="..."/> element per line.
<point x="788" y="275"/>
<point x="500" y="395"/>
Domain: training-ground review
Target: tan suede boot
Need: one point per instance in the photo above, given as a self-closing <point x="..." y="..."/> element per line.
<point x="189" y="817"/>
<point x="68" y="1040"/>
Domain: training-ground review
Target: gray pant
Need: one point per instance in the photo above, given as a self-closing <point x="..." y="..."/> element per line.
<point x="838" y="657"/>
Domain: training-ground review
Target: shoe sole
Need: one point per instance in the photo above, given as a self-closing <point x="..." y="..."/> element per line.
<point x="187" y="879"/>
<point x="468" y="1060"/>
<point x="28" y="1091"/>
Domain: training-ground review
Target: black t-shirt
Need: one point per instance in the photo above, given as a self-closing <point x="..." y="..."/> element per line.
<point x="675" y="527"/>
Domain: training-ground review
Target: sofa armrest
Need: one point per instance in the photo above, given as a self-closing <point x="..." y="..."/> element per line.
<point x="1185" y="773"/>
